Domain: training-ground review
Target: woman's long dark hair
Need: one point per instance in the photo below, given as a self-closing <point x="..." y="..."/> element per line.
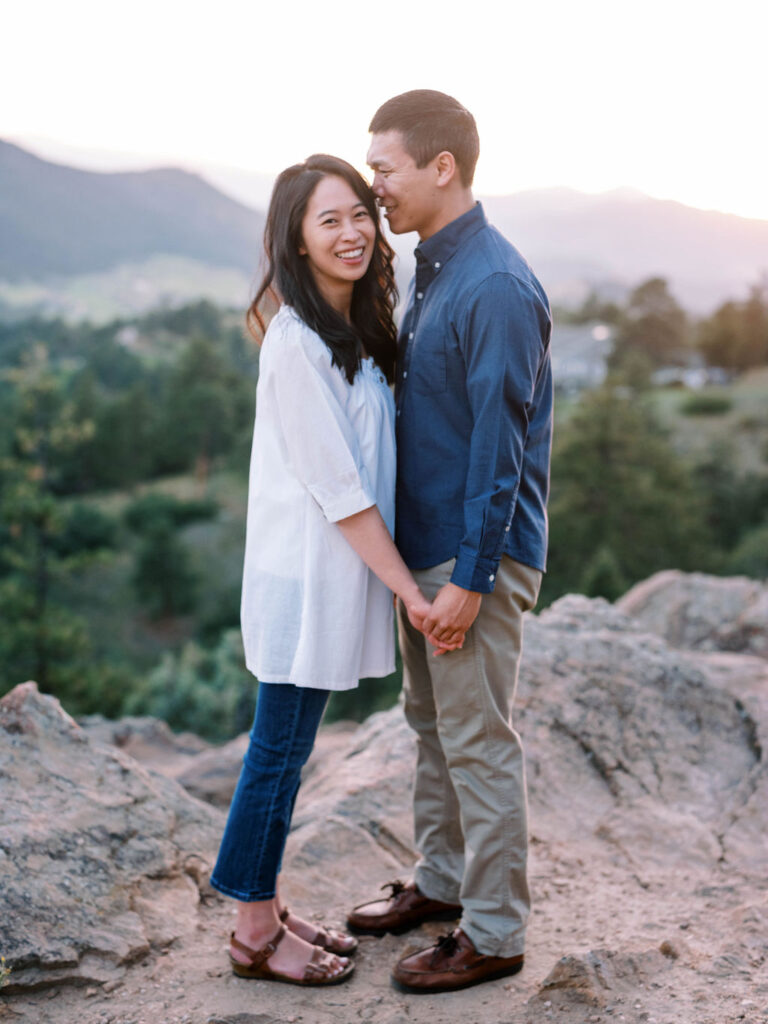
<point x="289" y="279"/>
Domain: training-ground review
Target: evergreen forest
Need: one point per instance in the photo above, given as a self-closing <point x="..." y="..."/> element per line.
<point x="123" y="479"/>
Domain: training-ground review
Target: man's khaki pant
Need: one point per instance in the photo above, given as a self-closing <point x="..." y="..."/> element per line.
<point x="469" y="801"/>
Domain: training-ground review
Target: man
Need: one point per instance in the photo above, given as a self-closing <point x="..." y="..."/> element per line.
<point x="474" y="417"/>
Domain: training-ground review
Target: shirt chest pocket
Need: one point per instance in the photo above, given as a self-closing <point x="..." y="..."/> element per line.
<point x="427" y="372"/>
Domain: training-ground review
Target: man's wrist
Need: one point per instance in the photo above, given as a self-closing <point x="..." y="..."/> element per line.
<point x="473" y="573"/>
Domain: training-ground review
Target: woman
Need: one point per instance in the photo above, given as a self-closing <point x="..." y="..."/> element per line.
<point x="319" y="561"/>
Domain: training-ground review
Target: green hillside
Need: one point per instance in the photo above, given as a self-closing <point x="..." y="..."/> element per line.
<point x="57" y="220"/>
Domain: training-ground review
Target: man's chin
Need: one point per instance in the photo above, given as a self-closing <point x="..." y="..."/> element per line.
<point x="398" y="227"/>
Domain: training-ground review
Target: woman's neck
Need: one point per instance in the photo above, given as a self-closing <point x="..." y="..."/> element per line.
<point x="339" y="298"/>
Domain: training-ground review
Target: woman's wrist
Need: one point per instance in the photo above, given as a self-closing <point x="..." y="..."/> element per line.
<point x="410" y="594"/>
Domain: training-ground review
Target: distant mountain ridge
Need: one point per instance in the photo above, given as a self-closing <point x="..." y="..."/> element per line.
<point x="58" y="220"/>
<point x="624" y="236"/>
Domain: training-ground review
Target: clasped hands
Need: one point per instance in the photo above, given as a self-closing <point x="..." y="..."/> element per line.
<point x="446" y="620"/>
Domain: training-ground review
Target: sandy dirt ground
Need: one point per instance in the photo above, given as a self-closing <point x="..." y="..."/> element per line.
<point x="687" y="949"/>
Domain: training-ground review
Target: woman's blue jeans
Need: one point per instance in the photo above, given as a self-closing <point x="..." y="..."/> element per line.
<point x="283" y="734"/>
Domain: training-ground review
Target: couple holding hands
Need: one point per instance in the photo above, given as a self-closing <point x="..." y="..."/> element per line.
<point x="455" y="467"/>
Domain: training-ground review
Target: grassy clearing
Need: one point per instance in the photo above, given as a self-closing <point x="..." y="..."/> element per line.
<point x="744" y="426"/>
<point x="103" y="595"/>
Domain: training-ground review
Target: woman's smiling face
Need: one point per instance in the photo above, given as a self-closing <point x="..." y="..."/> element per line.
<point x="338" y="236"/>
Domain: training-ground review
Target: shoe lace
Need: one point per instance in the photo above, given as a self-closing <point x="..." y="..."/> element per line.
<point x="445" y="946"/>
<point x="395" y="888"/>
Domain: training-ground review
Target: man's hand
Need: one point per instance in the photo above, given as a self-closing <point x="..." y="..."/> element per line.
<point x="452" y="613"/>
<point x="418" y="608"/>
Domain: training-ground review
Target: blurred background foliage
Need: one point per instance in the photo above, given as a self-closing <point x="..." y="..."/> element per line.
<point x="123" y="483"/>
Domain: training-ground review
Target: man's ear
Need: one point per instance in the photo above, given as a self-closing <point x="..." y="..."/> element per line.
<point x="445" y="164"/>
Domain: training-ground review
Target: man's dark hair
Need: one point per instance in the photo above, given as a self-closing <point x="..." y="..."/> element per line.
<point x="431" y="122"/>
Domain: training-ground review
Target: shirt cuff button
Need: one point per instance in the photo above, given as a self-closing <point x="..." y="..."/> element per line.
<point x="492" y="577"/>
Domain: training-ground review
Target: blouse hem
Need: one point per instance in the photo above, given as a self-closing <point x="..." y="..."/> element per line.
<point x="324" y="685"/>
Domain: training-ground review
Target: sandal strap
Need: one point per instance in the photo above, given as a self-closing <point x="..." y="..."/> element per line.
<point x="318" y="966"/>
<point x="259" y="956"/>
<point x="318" y="939"/>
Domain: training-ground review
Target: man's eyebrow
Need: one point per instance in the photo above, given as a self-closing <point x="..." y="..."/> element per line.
<point x="377" y="164"/>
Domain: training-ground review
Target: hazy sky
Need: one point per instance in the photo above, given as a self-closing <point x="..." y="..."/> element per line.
<point x="668" y="96"/>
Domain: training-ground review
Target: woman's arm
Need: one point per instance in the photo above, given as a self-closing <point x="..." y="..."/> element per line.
<point x="367" y="534"/>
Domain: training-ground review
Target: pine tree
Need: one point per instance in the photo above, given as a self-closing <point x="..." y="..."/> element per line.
<point x="618" y="487"/>
<point x="38" y="639"/>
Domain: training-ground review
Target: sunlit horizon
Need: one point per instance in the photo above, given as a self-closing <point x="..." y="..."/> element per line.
<point x="59" y="152"/>
<point x="663" y="98"/>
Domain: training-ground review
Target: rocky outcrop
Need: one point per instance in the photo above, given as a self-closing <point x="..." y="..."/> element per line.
<point x="99" y="858"/>
<point x="703" y="613"/>
<point x="208" y="772"/>
<point x="648" y="803"/>
<point x="624" y="735"/>
<point x="641" y="741"/>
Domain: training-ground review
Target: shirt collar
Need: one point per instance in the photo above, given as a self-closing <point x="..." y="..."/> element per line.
<point x="439" y="247"/>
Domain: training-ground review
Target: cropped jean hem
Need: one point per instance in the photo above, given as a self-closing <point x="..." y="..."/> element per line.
<point x="244" y="897"/>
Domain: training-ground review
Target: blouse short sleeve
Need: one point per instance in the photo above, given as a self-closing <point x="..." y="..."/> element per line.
<point x="320" y="441"/>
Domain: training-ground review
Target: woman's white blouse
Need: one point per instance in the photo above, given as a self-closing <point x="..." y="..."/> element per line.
<point x="312" y="612"/>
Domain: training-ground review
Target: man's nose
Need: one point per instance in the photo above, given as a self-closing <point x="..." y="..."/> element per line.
<point x="378" y="185"/>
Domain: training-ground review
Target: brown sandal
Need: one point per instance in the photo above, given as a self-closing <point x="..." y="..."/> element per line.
<point x="317" y="972"/>
<point x="328" y="939"/>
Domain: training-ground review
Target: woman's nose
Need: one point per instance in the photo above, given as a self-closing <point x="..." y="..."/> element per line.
<point x="349" y="229"/>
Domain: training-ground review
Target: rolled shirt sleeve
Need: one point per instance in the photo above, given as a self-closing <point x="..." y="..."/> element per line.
<point x="504" y="334"/>
<point x="320" y="441"/>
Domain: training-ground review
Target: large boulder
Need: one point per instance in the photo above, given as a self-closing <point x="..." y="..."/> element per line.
<point x="100" y="858"/>
<point x="638" y="741"/>
<point x="628" y="741"/>
<point x="699" y="612"/>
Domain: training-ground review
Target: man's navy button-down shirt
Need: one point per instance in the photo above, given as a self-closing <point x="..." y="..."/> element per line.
<point x="474" y="406"/>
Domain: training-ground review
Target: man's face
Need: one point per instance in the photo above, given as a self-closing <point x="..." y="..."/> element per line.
<point x="408" y="194"/>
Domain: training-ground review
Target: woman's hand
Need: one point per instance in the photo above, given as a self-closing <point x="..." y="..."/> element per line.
<point x="441" y="647"/>
<point x="418" y="610"/>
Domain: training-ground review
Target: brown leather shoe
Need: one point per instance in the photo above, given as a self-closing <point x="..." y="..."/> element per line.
<point x="452" y="963"/>
<point x="405" y="908"/>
